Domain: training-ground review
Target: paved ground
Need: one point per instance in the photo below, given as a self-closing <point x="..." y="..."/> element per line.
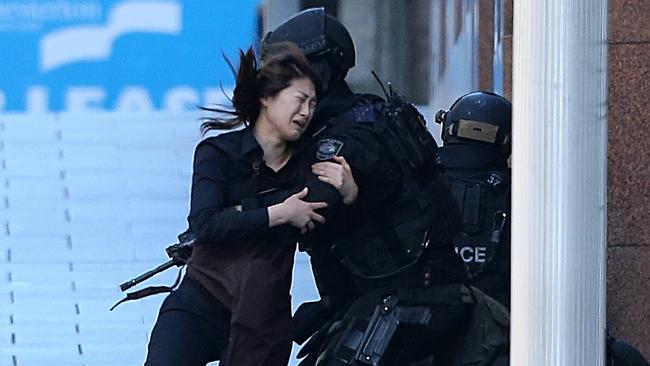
<point x="87" y="202"/>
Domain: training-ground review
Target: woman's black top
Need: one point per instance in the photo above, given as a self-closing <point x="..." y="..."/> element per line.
<point x="236" y="252"/>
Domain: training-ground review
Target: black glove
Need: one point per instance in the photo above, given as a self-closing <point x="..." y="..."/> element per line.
<point x="309" y="317"/>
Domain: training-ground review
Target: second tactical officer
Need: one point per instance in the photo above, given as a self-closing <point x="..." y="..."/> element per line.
<point x="476" y="134"/>
<point x="391" y="285"/>
<point x="476" y="139"/>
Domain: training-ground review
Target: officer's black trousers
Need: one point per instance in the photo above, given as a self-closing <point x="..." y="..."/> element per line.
<point x="192" y="328"/>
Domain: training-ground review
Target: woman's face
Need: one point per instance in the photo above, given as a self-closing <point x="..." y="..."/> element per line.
<point x="290" y="111"/>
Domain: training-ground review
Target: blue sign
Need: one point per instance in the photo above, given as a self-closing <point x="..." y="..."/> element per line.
<point x="128" y="55"/>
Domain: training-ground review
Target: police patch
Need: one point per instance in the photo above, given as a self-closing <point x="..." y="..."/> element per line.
<point x="494" y="179"/>
<point x="328" y="148"/>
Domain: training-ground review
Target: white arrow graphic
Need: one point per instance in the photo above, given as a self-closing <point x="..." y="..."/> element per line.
<point x="95" y="43"/>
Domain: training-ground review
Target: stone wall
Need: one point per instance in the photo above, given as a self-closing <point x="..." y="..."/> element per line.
<point x="628" y="269"/>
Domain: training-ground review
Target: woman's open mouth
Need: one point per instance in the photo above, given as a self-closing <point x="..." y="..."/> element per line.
<point x="300" y="123"/>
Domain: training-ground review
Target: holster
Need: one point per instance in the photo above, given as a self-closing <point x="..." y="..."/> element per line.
<point x="385" y="320"/>
<point x="355" y="341"/>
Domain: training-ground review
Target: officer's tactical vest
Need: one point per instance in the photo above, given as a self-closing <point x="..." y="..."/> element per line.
<point x="483" y="244"/>
<point x="392" y="239"/>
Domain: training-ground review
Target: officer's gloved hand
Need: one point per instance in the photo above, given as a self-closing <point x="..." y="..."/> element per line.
<point x="309" y="350"/>
<point x="309" y="317"/>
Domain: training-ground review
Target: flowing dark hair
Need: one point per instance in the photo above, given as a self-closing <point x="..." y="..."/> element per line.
<point x="283" y="62"/>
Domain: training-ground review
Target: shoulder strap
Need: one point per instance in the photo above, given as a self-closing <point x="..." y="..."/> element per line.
<point x="149" y="291"/>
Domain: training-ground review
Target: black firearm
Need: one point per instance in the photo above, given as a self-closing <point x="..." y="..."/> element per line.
<point x="362" y="343"/>
<point x="385" y="320"/>
<point x="179" y="253"/>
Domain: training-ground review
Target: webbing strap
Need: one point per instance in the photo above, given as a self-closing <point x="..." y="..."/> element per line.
<point x="472" y="208"/>
<point x="149" y="291"/>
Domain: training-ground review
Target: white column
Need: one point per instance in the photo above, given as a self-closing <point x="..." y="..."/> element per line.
<point x="559" y="182"/>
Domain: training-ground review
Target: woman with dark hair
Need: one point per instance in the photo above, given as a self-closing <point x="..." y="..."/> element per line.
<point x="235" y="295"/>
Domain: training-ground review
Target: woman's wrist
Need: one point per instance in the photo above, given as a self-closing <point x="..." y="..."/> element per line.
<point x="277" y="215"/>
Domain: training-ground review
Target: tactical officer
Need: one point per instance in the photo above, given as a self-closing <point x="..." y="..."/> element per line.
<point x="476" y="139"/>
<point x="390" y="281"/>
<point x="476" y="134"/>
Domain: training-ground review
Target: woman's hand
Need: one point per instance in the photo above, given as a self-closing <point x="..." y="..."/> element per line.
<point x="296" y="212"/>
<point x="339" y="176"/>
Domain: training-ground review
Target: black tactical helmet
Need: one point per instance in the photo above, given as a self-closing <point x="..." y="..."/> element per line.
<point x="319" y="35"/>
<point x="478" y="118"/>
